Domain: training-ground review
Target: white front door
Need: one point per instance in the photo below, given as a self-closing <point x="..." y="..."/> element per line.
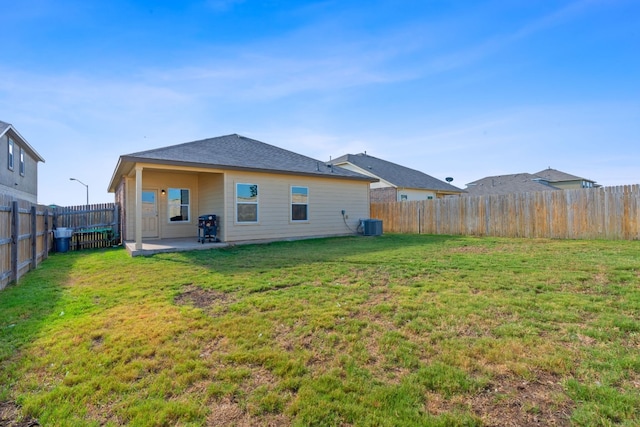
<point x="149" y="213"/>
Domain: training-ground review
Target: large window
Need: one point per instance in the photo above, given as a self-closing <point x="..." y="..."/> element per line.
<point x="179" y="205"/>
<point x="299" y="203"/>
<point x="246" y="202"/>
<point x="10" y="154"/>
<point x="21" y="161"/>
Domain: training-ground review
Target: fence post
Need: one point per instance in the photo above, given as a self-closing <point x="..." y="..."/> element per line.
<point x="15" y="232"/>
<point x="45" y="240"/>
<point x="34" y="238"/>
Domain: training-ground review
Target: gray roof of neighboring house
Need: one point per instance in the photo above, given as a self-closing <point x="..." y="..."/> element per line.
<point x="554" y="175"/>
<point x="236" y="152"/>
<point x="507" y="184"/>
<point x="6" y="127"/>
<point x="399" y="176"/>
<point x="3" y="127"/>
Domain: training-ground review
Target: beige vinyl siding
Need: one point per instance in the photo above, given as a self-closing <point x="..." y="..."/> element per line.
<point x="129" y="208"/>
<point x="211" y="198"/>
<point x="327" y="197"/>
<point x="567" y="185"/>
<point x="214" y="193"/>
<point x="159" y="180"/>
<point x="413" y="194"/>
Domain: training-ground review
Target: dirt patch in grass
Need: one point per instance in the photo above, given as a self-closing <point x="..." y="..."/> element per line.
<point x="509" y="401"/>
<point x="10" y="416"/>
<point x="237" y="410"/>
<point x="207" y="300"/>
<point x="227" y="412"/>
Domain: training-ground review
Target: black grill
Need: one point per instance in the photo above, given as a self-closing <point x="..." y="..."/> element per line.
<point x="208" y="228"/>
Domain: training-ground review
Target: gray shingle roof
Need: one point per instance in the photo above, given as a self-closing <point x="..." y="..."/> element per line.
<point x="554" y="175"/>
<point x="3" y="127"/>
<point x="239" y="152"/>
<point x="400" y="176"/>
<point x="507" y="184"/>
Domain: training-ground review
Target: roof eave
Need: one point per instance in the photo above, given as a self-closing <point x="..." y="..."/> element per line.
<point x="132" y="160"/>
<point x="32" y="150"/>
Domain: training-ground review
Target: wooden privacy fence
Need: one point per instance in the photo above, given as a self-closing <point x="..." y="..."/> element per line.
<point x="26" y="232"/>
<point x="94" y="226"/>
<point x="25" y="237"/>
<point x="594" y="213"/>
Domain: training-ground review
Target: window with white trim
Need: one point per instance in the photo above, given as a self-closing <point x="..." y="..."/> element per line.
<point x="299" y="203"/>
<point x="179" y="206"/>
<point x="246" y="203"/>
<point x="10" y="154"/>
<point x="21" y="161"/>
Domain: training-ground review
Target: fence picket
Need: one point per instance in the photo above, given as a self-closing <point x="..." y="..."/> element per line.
<point x="591" y="213"/>
<point x="95" y="226"/>
<point x="26" y="230"/>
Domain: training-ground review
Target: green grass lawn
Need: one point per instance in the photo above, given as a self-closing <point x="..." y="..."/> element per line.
<point x="396" y="330"/>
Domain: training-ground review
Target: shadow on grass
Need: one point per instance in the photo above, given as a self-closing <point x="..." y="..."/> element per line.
<point x="25" y="309"/>
<point x="334" y="252"/>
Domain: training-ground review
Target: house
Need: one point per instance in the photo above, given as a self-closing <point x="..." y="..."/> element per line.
<point x="507" y="184"/>
<point x="19" y="179"/>
<point x="546" y="180"/>
<point x="563" y="180"/>
<point x="257" y="192"/>
<point x="396" y="183"/>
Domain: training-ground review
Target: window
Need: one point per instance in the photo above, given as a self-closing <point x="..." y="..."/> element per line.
<point x="21" y="162"/>
<point x="299" y="204"/>
<point x="246" y="203"/>
<point x="10" y="156"/>
<point x="403" y="197"/>
<point x="178" y="204"/>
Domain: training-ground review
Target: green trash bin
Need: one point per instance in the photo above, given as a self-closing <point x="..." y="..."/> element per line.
<point x="62" y="237"/>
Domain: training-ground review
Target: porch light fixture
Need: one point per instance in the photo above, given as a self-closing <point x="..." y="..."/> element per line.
<point x="163" y="192"/>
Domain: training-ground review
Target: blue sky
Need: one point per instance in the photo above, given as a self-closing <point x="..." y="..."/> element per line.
<point x="465" y="89"/>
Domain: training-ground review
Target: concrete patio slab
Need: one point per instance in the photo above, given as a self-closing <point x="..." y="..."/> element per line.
<point x="156" y="246"/>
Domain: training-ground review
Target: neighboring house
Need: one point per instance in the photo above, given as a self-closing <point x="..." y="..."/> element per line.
<point x="546" y="180"/>
<point x="19" y="174"/>
<point x="396" y="183"/>
<point x="257" y="191"/>
<point x="563" y="180"/>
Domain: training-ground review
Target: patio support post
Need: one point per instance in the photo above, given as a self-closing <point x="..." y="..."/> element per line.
<point x="138" y="208"/>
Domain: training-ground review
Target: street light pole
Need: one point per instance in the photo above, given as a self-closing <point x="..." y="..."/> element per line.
<point x="87" y="187"/>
